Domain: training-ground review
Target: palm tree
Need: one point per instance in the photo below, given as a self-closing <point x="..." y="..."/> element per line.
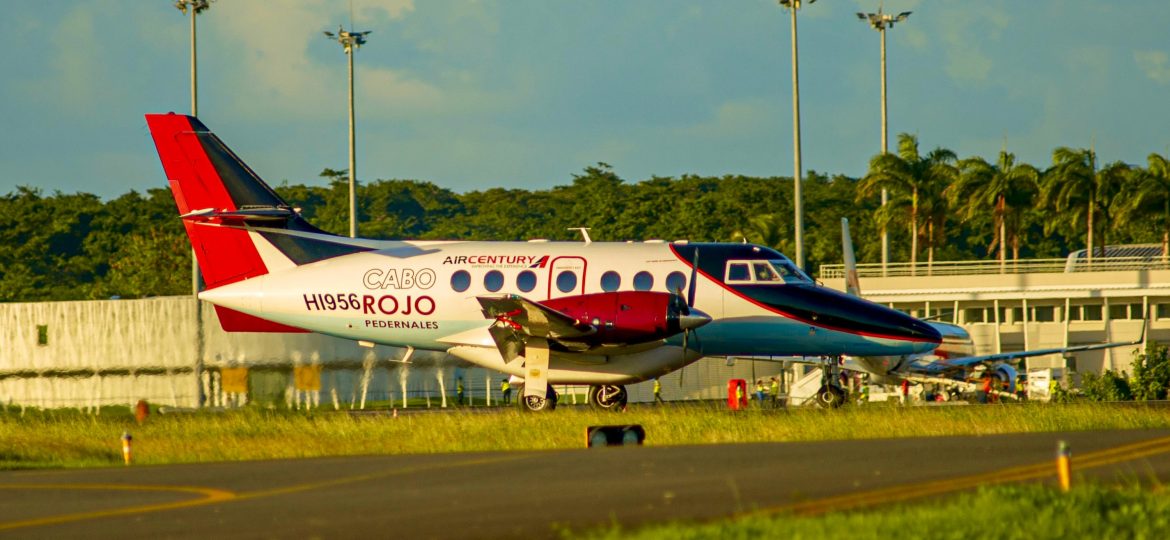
<point x="1006" y="186"/>
<point x="913" y="174"/>
<point x="765" y="229"/>
<point x="1148" y="191"/>
<point x="933" y="206"/>
<point x="1110" y="180"/>
<point x="1067" y="188"/>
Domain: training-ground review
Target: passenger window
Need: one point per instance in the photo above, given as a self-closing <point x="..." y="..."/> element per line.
<point x="566" y="281"/>
<point x="676" y="282"/>
<point x="493" y="281"/>
<point x="738" y="272"/>
<point x="526" y="281"/>
<point x="611" y="281"/>
<point x="643" y="281"/>
<point x="460" y="281"/>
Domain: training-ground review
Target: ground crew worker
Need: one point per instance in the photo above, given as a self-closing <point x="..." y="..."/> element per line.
<point x="506" y="389"/>
<point x="760" y="391"/>
<point x="775" y="391"/>
<point x="739" y="399"/>
<point x="459" y="391"/>
<point x="658" y="391"/>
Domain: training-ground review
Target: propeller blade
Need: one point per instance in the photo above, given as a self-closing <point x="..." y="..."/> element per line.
<point x="694" y="274"/>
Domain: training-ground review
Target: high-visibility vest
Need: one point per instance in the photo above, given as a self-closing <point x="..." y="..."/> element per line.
<point x="504" y="386"/>
<point x="775" y="387"/>
<point x="657" y="386"/>
<point x="459" y="386"/>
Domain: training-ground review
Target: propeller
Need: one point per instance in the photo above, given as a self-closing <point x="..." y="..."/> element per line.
<point x="690" y="303"/>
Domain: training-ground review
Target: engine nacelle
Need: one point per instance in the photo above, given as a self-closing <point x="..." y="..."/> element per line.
<point x="630" y="317"/>
<point x="1007" y="376"/>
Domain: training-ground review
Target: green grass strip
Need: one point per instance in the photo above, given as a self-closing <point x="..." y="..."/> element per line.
<point x="1024" y="512"/>
<point x="56" y="438"/>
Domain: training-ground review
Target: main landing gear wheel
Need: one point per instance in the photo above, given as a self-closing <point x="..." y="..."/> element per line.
<point x="537" y="403"/>
<point x="608" y="397"/>
<point x="830" y="396"/>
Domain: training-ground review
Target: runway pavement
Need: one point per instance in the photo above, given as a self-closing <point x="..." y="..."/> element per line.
<point x="535" y="494"/>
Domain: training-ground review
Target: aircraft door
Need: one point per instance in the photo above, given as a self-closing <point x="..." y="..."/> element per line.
<point x="566" y="277"/>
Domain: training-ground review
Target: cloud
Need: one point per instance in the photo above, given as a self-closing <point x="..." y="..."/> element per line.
<point x="75" y="64"/>
<point x="1155" y="64"/>
<point x="962" y="33"/>
<point x="737" y="119"/>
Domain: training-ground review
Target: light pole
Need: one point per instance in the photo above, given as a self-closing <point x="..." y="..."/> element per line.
<point x="798" y="204"/>
<point x="880" y="21"/>
<point x="350" y="41"/>
<point x="196" y="7"/>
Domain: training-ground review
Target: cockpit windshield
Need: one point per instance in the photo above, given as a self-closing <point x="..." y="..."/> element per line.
<point x="788" y="272"/>
<point x="771" y="272"/>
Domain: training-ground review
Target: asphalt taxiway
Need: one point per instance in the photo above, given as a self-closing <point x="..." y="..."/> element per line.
<point x="536" y="494"/>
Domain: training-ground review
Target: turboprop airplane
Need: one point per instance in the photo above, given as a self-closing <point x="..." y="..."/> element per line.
<point x="603" y="314"/>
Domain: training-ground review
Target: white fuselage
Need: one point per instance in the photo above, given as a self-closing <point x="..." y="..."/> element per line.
<point x="427" y="300"/>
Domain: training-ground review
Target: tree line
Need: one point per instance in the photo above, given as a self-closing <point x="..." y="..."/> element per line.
<point x="77" y="246"/>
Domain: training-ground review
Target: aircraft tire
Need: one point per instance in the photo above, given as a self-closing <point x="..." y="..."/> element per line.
<point x="610" y="397"/>
<point x="537" y="403"/>
<point x="830" y="397"/>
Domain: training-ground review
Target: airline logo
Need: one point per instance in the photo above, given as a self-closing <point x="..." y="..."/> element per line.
<point x="498" y="261"/>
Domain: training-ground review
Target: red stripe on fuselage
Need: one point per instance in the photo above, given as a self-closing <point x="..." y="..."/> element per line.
<point x="235" y="321"/>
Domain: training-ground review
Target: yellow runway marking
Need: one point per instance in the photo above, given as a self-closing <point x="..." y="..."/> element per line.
<point x="1036" y="471"/>
<point x="210" y="495"/>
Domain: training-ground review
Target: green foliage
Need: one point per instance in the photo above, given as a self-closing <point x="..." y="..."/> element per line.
<point x="1151" y="373"/>
<point x="1024" y="512"/>
<point x="1109" y="386"/>
<point x="75" y="246"/>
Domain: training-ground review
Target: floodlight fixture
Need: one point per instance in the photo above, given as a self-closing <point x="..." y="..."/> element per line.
<point x="880" y="21"/>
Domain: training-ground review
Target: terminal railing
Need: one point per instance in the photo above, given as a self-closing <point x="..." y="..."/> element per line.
<point x="1012" y="266"/>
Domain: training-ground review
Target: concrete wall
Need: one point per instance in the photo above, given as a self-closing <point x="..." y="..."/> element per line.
<point x="115" y="352"/>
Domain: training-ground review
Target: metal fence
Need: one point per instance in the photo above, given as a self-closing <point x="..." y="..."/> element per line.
<point x="1012" y="266"/>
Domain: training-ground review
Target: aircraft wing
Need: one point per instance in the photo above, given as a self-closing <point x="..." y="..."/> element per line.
<point x="518" y="319"/>
<point x="947" y="364"/>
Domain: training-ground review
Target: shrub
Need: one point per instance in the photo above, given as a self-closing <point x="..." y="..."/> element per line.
<point x="1151" y="373"/>
<point x="1108" y="386"/>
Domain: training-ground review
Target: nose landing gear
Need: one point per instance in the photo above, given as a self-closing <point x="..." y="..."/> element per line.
<point x="830" y="395"/>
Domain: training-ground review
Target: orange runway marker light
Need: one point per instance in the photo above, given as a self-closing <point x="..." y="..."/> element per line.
<point x="126" y="438"/>
<point x="1064" y="466"/>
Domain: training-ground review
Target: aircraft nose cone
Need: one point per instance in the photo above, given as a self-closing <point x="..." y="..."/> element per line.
<point x="923" y="330"/>
<point x="693" y="320"/>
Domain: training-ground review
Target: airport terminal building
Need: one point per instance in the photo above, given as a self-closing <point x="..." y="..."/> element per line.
<point x="115" y="352"/>
<point x="1122" y="294"/>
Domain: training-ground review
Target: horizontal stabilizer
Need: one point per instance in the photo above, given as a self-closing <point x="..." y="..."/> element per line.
<point x="262" y="215"/>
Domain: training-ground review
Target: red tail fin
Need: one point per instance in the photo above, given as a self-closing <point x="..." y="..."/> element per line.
<point x="187" y="150"/>
<point x="203" y="175"/>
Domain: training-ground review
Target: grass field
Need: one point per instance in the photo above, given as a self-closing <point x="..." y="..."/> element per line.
<point x="39" y="439"/>
<point x="1024" y="512"/>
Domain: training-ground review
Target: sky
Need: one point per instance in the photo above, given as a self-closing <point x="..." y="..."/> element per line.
<point x="472" y="95"/>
